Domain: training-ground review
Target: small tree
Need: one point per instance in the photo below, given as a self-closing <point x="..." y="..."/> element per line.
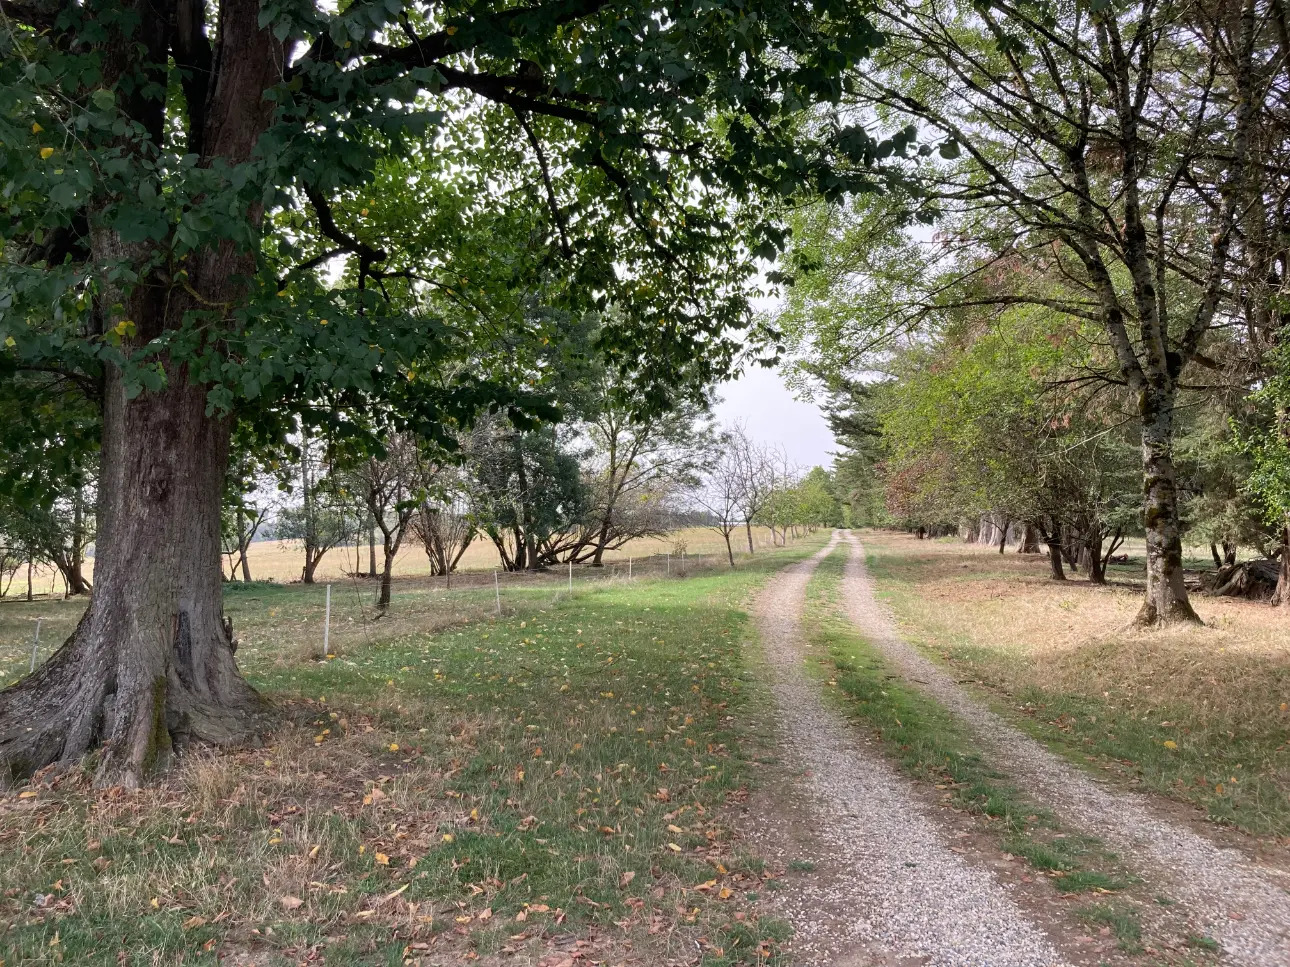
<point x="721" y="494"/>
<point x="393" y="486"/>
<point x="324" y="518"/>
<point x="445" y="528"/>
<point x="755" y="472"/>
<point x="245" y="510"/>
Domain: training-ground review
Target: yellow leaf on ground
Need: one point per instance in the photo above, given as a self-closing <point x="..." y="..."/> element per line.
<point x="1170" y="744"/>
<point x="673" y="847"/>
<point x="382" y="859"/>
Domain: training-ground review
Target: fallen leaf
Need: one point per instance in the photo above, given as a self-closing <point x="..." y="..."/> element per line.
<point x="626" y="878"/>
<point x="291" y="902"/>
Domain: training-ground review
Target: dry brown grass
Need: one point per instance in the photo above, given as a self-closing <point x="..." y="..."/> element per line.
<point x="1070" y="657"/>
<point x="1079" y="637"/>
<point x="281" y="561"/>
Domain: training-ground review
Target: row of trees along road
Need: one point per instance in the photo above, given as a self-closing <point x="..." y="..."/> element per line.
<point x="1073" y="315"/>
<point x="225" y="226"/>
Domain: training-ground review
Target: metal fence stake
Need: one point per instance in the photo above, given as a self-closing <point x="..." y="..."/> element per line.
<point x="327" y="626"/>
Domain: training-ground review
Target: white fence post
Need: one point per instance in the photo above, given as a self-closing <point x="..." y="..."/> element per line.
<point x="35" y="643"/>
<point x="327" y="626"/>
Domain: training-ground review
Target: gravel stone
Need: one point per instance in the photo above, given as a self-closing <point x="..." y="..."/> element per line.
<point x="907" y="893"/>
<point x="1243" y="905"/>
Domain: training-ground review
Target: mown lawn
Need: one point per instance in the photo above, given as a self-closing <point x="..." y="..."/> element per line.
<point x="1197" y="714"/>
<point x="541" y="785"/>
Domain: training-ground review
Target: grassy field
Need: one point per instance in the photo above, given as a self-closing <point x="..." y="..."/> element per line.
<point x="451" y="787"/>
<point x="1198" y="714"/>
<point x="282" y="561"/>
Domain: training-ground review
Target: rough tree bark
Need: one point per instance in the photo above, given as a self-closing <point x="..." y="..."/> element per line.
<point x="1029" y="540"/>
<point x="1166" y="599"/>
<point x="1054" y="542"/>
<point x="1281" y="596"/>
<point x="151" y="663"/>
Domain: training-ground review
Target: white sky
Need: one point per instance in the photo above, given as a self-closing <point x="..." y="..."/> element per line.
<point x="760" y="398"/>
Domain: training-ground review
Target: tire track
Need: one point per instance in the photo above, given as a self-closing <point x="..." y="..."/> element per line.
<point x="901" y="889"/>
<point x="1243" y="906"/>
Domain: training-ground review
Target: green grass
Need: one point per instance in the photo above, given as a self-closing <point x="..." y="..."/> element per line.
<point x="495" y="783"/>
<point x="1122" y="922"/>
<point x="931" y="745"/>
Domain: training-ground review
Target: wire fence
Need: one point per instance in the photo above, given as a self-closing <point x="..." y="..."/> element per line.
<point x="418" y="600"/>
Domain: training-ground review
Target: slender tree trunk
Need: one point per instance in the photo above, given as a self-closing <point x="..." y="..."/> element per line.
<point x="748" y="528"/>
<point x="1003" y="535"/>
<point x="76" y="575"/>
<point x="387" y="571"/>
<point x="1213" y="552"/>
<point x="597" y="559"/>
<point x="1092" y="552"/>
<point x="244" y="543"/>
<point x="371" y="547"/>
<point x="1054" y="541"/>
<point x="1281" y="596"/>
<point x="730" y="553"/>
<point x="30" y="595"/>
<point x="1166" y="600"/>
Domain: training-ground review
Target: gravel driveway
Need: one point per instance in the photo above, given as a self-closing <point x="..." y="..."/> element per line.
<point x="903" y="896"/>
<point x="1244" y="906"/>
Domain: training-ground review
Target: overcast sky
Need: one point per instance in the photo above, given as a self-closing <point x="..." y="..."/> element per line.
<point x="774" y="416"/>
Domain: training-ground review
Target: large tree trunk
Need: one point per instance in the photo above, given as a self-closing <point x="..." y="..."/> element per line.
<point x="151" y="662"/>
<point x="1166" y="600"/>
<point x="1029" y="540"/>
